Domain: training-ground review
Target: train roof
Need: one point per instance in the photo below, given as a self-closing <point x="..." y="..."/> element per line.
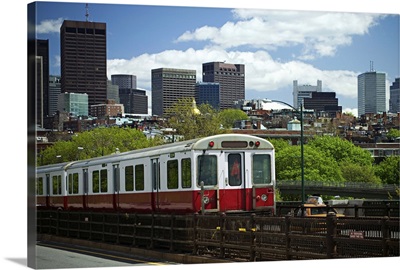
<point x="194" y="144"/>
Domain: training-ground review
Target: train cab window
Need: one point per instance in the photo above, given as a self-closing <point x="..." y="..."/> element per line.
<point x="39" y="186"/>
<point x="207" y="170"/>
<point x="172" y="174"/>
<point x="56" y="184"/>
<point x="139" y="177"/>
<point x="186" y="173"/>
<point x="261" y="169"/>
<point x="99" y="181"/>
<point x="235" y="169"/>
<point x="73" y="183"/>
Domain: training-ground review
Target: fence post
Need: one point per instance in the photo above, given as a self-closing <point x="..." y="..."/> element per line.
<point x="58" y="223"/>
<point x="331" y="224"/>
<point x="118" y="225"/>
<point x="195" y="240"/>
<point x="134" y="229"/>
<point x="171" y="233"/>
<point x="287" y="235"/>
<point x="222" y="232"/>
<point x="385" y="236"/>
<point x="152" y="232"/>
<point x="252" y="237"/>
<point x="356" y="211"/>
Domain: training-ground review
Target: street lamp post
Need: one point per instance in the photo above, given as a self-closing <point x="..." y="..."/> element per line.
<point x="301" y="145"/>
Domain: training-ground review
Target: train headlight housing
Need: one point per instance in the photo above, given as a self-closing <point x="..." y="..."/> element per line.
<point x="264" y="197"/>
<point x="206" y="200"/>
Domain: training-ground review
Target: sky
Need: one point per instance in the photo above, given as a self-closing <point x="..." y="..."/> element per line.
<point x="276" y="46"/>
<point x="153" y="42"/>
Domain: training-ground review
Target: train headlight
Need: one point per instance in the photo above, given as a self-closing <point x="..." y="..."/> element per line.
<point x="264" y="197"/>
<point x="206" y="200"/>
<point x="257" y="143"/>
<point x="211" y="144"/>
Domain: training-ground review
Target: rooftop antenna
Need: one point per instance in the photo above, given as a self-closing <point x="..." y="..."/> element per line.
<point x="371" y="66"/>
<point x="87" y="12"/>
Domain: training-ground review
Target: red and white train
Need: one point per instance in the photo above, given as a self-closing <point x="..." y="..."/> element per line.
<point x="221" y="173"/>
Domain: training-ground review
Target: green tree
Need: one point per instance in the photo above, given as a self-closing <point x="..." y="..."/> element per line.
<point x="359" y="173"/>
<point x="317" y="165"/>
<point x="342" y="150"/>
<point x="388" y="170"/>
<point x="96" y="142"/>
<point x="192" y="122"/>
<point x="230" y="116"/>
<point x="279" y="144"/>
<point x="393" y="134"/>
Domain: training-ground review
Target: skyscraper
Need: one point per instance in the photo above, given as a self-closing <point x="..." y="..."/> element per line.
<point x="42" y="79"/>
<point x="231" y="78"/>
<point x="208" y="93"/>
<point x="371" y="92"/>
<point x="394" y="100"/>
<point x="304" y="91"/>
<point x="84" y="59"/>
<point x="124" y="81"/>
<point x="323" y="103"/>
<point x="54" y="92"/>
<point x="168" y="85"/>
<point x="135" y="101"/>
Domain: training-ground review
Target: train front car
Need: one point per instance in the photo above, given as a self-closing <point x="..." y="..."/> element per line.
<point x="234" y="172"/>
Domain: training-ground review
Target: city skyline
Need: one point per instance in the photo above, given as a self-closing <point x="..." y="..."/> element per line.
<point x="276" y="47"/>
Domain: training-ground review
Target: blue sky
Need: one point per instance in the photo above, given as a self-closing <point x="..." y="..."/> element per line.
<point x="276" y="46"/>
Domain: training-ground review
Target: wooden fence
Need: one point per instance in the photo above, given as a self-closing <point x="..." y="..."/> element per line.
<point x="234" y="237"/>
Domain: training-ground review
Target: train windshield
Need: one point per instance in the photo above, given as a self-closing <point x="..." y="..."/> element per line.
<point x="262" y="169"/>
<point x="207" y="170"/>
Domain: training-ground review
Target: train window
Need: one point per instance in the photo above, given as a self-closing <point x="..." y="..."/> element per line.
<point x="235" y="169"/>
<point x="207" y="170"/>
<point x="99" y="181"/>
<point x="261" y="169"/>
<point x="139" y="177"/>
<point x="39" y="186"/>
<point x="73" y="182"/>
<point x="56" y="184"/>
<point x="186" y="172"/>
<point x="172" y="174"/>
<point x="129" y="178"/>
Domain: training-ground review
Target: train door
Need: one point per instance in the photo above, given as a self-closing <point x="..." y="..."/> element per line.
<point x="155" y="179"/>
<point x="116" y="184"/>
<point x="235" y="184"/>
<point x="85" y="188"/>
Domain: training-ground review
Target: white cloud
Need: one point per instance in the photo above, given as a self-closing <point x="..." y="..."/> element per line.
<point x="49" y="26"/>
<point x="320" y="33"/>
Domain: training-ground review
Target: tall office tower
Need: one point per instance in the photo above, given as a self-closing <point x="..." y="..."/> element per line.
<point x="325" y="104"/>
<point x="135" y="101"/>
<point x="54" y="92"/>
<point x="84" y="59"/>
<point x="208" y="93"/>
<point x="231" y="78"/>
<point x="168" y="85"/>
<point x="112" y="92"/>
<point x="124" y="81"/>
<point x="42" y="78"/>
<point x="394" y="100"/>
<point x="371" y="92"/>
<point x="304" y="91"/>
